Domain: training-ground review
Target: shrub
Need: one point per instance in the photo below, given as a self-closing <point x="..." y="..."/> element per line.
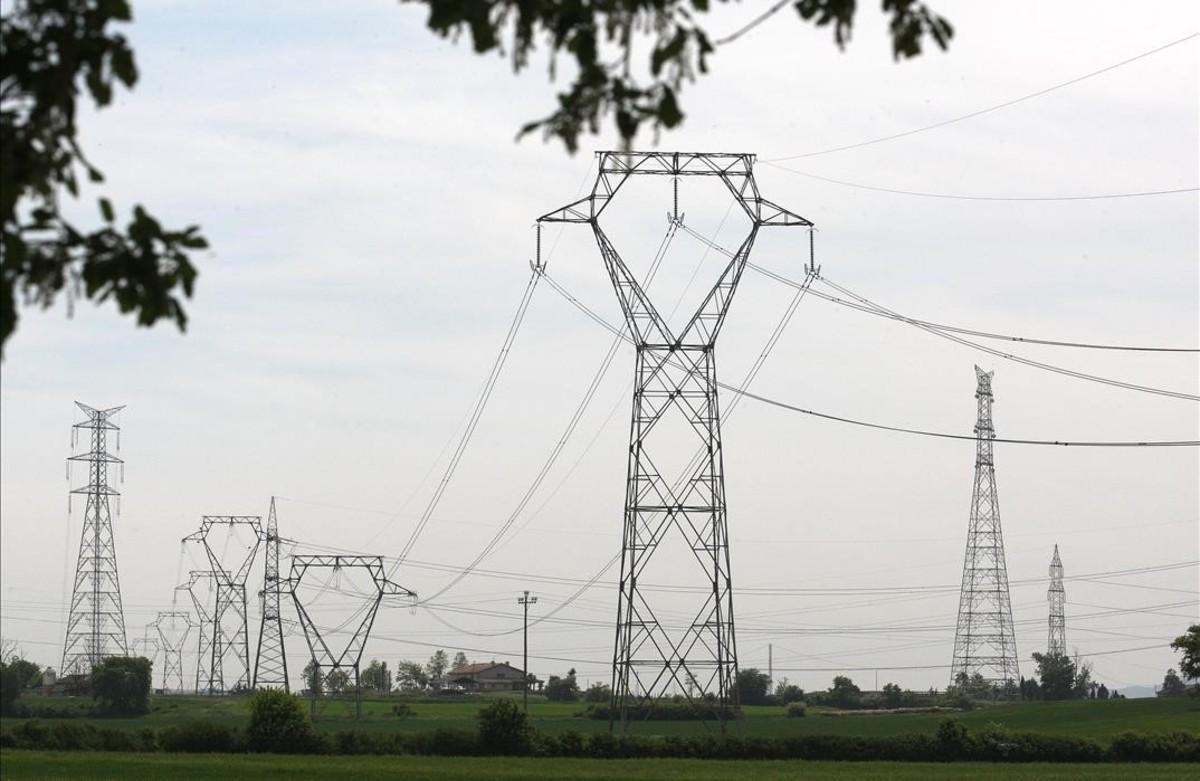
<point x="121" y="685"/>
<point x="1171" y="747"/>
<point x="199" y="737"/>
<point x="504" y="728"/>
<point x="796" y="710"/>
<point x="279" y="724"/>
<point x="951" y="738"/>
<point x="665" y="710"/>
<point x="402" y="710"/>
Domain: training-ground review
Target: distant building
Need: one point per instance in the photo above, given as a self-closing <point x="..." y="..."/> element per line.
<point x="486" y="676"/>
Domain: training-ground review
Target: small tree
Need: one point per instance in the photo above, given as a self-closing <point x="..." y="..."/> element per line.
<point x="844" y="694"/>
<point x="1172" y="685"/>
<point x="338" y="681"/>
<point x="279" y="724"/>
<point x="1189" y="645"/>
<point x="411" y="676"/>
<point x="1057" y="674"/>
<point x="1102" y="692"/>
<point x="562" y="689"/>
<point x="10" y="688"/>
<point x="893" y="696"/>
<point x="312" y="677"/>
<point x="752" y="686"/>
<point x="377" y="677"/>
<point x="28" y="673"/>
<point x="598" y="692"/>
<point x="436" y="668"/>
<point x="1084" y="685"/>
<point x="504" y="728"/>
<point x="788" y="692"/>
<point x="460" y="660"/>
<point x="121" y="685"/>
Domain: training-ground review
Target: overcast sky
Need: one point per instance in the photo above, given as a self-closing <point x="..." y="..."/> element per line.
<point x="370" y="221"/>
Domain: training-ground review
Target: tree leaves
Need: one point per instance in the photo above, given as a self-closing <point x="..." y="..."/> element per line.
<point x="53" y="50"/>
<point x="602" y="36"/>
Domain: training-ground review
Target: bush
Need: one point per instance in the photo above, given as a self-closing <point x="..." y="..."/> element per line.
<point x="200" y="737"/>
<point x="403" y="710"/>
<point x="279" y="724"/>
<point x="598" y="693"/>
<point x="504" y="728"/>
<point x="665" y="710"/>
<point x="796" y="710"/>
<point x="121" y="685"/>
<point x="1171" y="747"/>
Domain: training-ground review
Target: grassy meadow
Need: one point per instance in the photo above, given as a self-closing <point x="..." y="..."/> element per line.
<point x="82" y="765"/>
<point x="1100" y="719"/>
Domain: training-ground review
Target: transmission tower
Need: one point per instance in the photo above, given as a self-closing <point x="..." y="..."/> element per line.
<point x="984" y="643"/>
<point x="326" y="660"/>
<point x="270" y="664"/>
<point x="675" y="390"/>
<point x="204" y="623"/>
<point x="230" y="625"/>
<point x="96" y="624"/>
<point x="171" y="641"/>
<point x="1056" y="643"/>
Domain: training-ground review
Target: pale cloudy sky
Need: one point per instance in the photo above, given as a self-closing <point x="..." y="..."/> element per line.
<point x="370" y="219"/>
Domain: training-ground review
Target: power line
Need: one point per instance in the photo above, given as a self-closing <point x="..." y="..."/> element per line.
<point x="476" y="413"/>
<point x="755" y="22"/>
<point x="990" y="109"/>
<point x="558" y="288"/>
<point x="987" y="334"/>
<point x="874" y="308"/>
<point x="1010" y="356"/>
<point x="961" y="197"/>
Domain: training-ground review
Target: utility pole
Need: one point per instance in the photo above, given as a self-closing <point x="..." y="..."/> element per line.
<point x="771" y="664"/>
<point x="984" y="642"/>
<point x="525" y="601"/>
<point x="675" y="499"/>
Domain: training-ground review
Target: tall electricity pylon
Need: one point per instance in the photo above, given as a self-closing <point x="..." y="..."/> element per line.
<point x="1056" y="642"/>
<point x="171" y="641"/>
<point x="327" y="660"/>
<point x="984" y="643"/>
<point x="675" y="392"/>
<point x="230" y="633"/>
<point x="96" y="624"/>
<point x="270" y="663"/>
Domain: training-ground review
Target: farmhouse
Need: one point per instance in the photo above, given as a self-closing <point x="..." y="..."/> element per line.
<point x="487" y="676"/>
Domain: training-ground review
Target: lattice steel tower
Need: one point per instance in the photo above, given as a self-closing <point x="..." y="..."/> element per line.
<point x="984" y="643"/>
<point x="96" y="624"/>
<point x="270" y="664"/>
<point x="230" y="636"/>
<point x="1056" y="642"/>
<point x="675" y="387"/>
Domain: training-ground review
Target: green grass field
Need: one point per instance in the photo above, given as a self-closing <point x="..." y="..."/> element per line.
<point x="78" y="765"/>
<point x="1086" y="718"/>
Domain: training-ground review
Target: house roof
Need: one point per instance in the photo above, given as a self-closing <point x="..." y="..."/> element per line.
<point x="479" y="667"/>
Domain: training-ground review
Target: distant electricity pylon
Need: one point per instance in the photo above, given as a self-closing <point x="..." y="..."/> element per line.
<point x="230" y="630"/>
<point x="675" y="393"/>
<point x="329" y="664"/>
<point x="96" y="623"/>
<point x="203" y="623"/>
<point x="171" y="642"/>
<point x="1056" y="643"/>
<point x="270" y="663"/>
<point x="984" y="643"/>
